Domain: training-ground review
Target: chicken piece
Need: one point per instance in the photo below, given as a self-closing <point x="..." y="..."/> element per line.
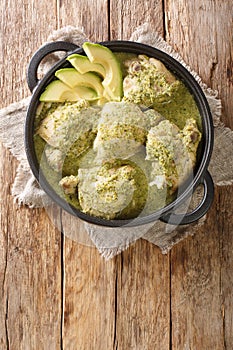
<point x="161" y="68"/>
<point x="112" y="190"/>
<point x="172" y="153"/>
<point x="136" y="64"/>
<point x="191" y="138"/>
<point x="55" y="158"/>
<point x="161" y="150"/>
<point x="154" y="117"/>
<point x="107" y="194"/>
<point x="122" y="130"/>
<point x="65" y="124"/>
<point x="148" y="81"/>
<point x="57" y="121"/>
<point x="69" y="184"/>
<point x="69" y="132"/>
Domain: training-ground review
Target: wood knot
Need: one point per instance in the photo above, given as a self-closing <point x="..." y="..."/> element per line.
<point x="230" y="70"/>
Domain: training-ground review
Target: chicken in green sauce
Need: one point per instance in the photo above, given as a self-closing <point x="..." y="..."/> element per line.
<point x="121" y="131"/>
<point x="113" y="190"/>
<point x="149" y="83"/>
<point x="172" y="152"/>
<point x="117" y="160"/>
<point x="69" y="131"/>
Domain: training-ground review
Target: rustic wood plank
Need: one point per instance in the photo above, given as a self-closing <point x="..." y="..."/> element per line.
<point x="3" y="258"/>
<point x="201" y="284"/>
<point x="89" y="298"/>
<point x="24" y="27"/>
<point x="30" y="269"/>
<point x="224" y="228"/>
<point x="196" y="303"/>
<point x="88" y="291"/>
<point x="143" y="298"/>
<point x="90" y="15"/>
<point x="127" y="15"/>
<point x="30" y="274"/>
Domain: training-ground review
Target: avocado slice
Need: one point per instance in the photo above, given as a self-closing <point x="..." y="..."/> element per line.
<point x="57" y="91"/>
<point x="83" y="65"/>
<point x="72" y="78"/>
<point x="86" y="93"/>
<point x="113" y="82"/>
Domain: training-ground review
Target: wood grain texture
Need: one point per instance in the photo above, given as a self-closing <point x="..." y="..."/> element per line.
<point x="144" y="269"/>
<point x="30" y="269"/>
<point x="58" y="293"/>
<point x="196" y="301"/>
<point x="127" y="15"/>
<point x="200" y="278"/>
<point x="24" y="27"/>
<point x="224" y="227"/>
<point x="89" y="299"/>
<point x="203" y="32"/>
<point x="90" y="15"/>
<point x="201" y="282"/>
<point x="30" y="275"/>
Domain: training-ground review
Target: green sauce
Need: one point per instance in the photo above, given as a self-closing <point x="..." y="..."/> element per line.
<point x="179" y="108"/>
<point x="122" y="58"/>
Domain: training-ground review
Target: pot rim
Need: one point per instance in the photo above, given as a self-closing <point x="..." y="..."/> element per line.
<point x="207" y="137"/>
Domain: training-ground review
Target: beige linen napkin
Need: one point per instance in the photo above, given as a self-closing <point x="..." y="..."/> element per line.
<point x="112" y="241"/>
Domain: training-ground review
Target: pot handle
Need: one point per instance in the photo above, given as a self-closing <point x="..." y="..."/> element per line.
<point x="197" y="213"/>
<point x="38" y="56"/>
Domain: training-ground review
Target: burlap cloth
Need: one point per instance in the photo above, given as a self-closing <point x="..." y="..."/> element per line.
<point x="111" y="241"/>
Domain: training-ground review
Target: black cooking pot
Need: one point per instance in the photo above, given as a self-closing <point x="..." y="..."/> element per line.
<point x="201" y="174"/>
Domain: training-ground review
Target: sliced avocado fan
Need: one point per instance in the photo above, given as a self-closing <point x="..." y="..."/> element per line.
<point x="113" y="81"/>
<point x="97" y="77"/>
<point x="72" y="78"/>
<point x="83" y="65"/>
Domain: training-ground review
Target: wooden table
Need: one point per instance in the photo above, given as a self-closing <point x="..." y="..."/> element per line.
<point x="58" y="294"/>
